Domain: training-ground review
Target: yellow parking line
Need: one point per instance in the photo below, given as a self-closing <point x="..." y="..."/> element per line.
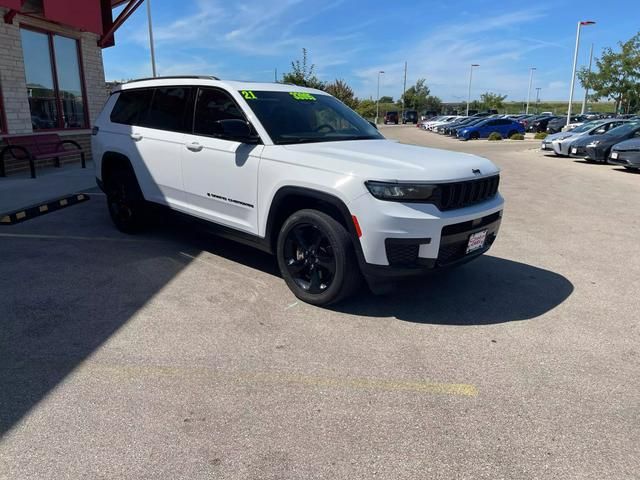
<point x="415" y="386"/>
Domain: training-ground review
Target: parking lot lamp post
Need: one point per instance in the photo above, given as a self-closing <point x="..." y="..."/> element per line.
<point x="378" y="98"/>
<point x="151" y="46"/>
<point x="529" y="90"/>
<point x="537" y="99"/>
<point x="470" y="78"/>
<point x="575" y="63"/>
<point x="586" y="88"/>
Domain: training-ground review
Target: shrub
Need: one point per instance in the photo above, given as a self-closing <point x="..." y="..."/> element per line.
<point x="541" y="135"/>
<point x="517" y="136"/>
<point x="495" y="136"/>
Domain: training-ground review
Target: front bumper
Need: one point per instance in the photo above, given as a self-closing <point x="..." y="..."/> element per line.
<point x="578" y="152"/>
<point x="596" y="154"/>
<point x="410" y="239"/>
<point x="625" y="158"/>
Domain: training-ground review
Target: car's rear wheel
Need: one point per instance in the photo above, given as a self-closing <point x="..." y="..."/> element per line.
<point x="126" y="203"/>
<point x="316" y="258"/>
<point x="511" y="133"/>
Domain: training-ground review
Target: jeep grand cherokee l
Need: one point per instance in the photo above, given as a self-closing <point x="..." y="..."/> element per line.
<point x="294" y="172"/>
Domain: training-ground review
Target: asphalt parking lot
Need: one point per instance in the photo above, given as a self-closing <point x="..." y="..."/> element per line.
<point x="178" y="355"/>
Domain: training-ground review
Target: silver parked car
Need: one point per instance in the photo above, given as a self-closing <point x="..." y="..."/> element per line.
<point x="562" y="142"/>
<point x="627" y="154"/>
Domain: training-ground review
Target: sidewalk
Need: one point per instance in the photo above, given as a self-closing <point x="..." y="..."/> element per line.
<point x="20" y="190"/>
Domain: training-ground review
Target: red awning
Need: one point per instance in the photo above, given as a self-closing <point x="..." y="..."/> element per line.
<point x="84" y="15"/>
<point x="12" y="4"/>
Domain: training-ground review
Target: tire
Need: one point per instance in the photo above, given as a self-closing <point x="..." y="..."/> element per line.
<point x="316" y="258"/>
<point x="125" y="201"/>
<point x="511" y="133"/>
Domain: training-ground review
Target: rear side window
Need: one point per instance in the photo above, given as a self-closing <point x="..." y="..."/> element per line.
<point x="131" y="106"/>
<point x="168" y="109"/>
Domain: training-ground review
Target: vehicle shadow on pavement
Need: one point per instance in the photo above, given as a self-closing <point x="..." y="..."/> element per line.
<point x="487" y="291"/>
<point x="64" y="298"/>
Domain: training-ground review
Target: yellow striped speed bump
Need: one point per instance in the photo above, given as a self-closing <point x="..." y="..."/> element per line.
<point x="24" y="214"/>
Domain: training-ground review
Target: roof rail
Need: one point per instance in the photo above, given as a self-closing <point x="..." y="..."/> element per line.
<point x="175" y="77"/>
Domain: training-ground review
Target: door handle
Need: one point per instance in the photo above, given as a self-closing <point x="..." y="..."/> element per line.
<point x="136" y="137"/>
<point x="194" y="147"/>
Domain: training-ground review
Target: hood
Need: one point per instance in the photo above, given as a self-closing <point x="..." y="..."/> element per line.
<point x="384" y="160"/>
<point x="583" y="141"/>
<point x="558" y="136"/>
<point x="633" y="144"/>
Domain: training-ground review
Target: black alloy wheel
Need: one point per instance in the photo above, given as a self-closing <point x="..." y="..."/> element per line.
<point x="125" y="201"/>
<point x="309" y="258"/>
<point x="317" y="258"/>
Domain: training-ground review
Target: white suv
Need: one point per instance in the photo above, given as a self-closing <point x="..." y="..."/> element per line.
<point x="295" y="172"/>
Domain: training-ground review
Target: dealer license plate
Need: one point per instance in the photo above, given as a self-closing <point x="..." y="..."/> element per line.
<point x="574" y="150"/>
<point x="614" y="155"/>
<point x="476" y="241"/>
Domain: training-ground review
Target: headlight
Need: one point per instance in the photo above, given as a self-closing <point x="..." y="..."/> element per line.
<point x="401" y="192"/>
<point x="595" y="143"/>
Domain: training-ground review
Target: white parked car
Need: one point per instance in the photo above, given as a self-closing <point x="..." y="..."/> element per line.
<point x="560" y="143"/>
<point x="439" y="121"/>
<point x="296" y="173"/>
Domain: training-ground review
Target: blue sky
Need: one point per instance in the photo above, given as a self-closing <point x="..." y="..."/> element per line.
<point x="353" y="39"/>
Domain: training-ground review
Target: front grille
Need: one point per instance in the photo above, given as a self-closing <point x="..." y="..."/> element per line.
<point x="463" y="194"/>
<point x="399" y="254"/>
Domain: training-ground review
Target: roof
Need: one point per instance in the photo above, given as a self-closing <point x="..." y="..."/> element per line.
<point x="215" y="82"/>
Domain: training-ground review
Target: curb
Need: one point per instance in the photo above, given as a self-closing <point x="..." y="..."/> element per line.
<point x="24" y="214"/>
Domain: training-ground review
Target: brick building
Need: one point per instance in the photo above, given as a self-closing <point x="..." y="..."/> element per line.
<point x="51" y="71"/>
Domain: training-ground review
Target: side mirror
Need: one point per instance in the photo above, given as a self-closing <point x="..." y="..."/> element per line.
<point x="373" y="125"/>
<point x="238" y="130"/>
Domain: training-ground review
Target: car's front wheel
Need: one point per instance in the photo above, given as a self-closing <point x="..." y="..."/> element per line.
<point x="316" y="258"/>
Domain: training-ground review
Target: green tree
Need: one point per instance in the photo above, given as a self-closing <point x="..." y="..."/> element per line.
<point x="343" y="92"/>
<point x="415" y="98"/>
<point x="492" y="101"/>
<point x="386" y="99"/>
<point x="617" y="75"/>
<point x="433" y="104"/>
<point x="303" y="74"/>
<point x="366" y="108"/>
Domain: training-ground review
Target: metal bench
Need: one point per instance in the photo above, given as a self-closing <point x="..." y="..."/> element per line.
<point x="38" y="147"/>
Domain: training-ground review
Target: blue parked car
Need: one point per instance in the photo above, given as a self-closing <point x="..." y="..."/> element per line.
<point x="504" y="126"/>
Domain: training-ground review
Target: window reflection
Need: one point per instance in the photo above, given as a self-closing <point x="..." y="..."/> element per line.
<point x="69" y="84"/>
<point x="55" y="103"/>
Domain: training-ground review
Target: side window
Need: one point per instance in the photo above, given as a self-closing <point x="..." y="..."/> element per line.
<point x="505" y="122"/>
<point x="492" y="123"/>
<point x="131" y="106"/>
<point x="168" y="109"/>
<point x="213" y="105"/>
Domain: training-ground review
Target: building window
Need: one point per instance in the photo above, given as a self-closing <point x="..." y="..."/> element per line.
<point x="3" y="126"/>
<point x="54" y="80"/>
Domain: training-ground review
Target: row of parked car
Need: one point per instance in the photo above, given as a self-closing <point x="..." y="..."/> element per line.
<point x="480" y="125"/>
<point x="608" y="140"/>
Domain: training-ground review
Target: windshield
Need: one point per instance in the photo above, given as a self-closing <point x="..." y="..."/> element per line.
<point x="587" y="126"/>
<point x="300" y="117"/>
<point x="625" y="129"/>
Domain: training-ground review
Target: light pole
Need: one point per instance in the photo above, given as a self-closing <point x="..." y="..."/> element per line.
<point x="586" y="89"/>
<point x="537" y="99"/>
<point x="470" y="78"/>
<point x="529" y="90"/>
<point x="378" y="97"/>
<point x="151" y="47"/>
<point x="575" y="62"/>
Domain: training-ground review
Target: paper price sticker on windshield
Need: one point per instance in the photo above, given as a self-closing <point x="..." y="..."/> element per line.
<point x="302" y="96"/>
